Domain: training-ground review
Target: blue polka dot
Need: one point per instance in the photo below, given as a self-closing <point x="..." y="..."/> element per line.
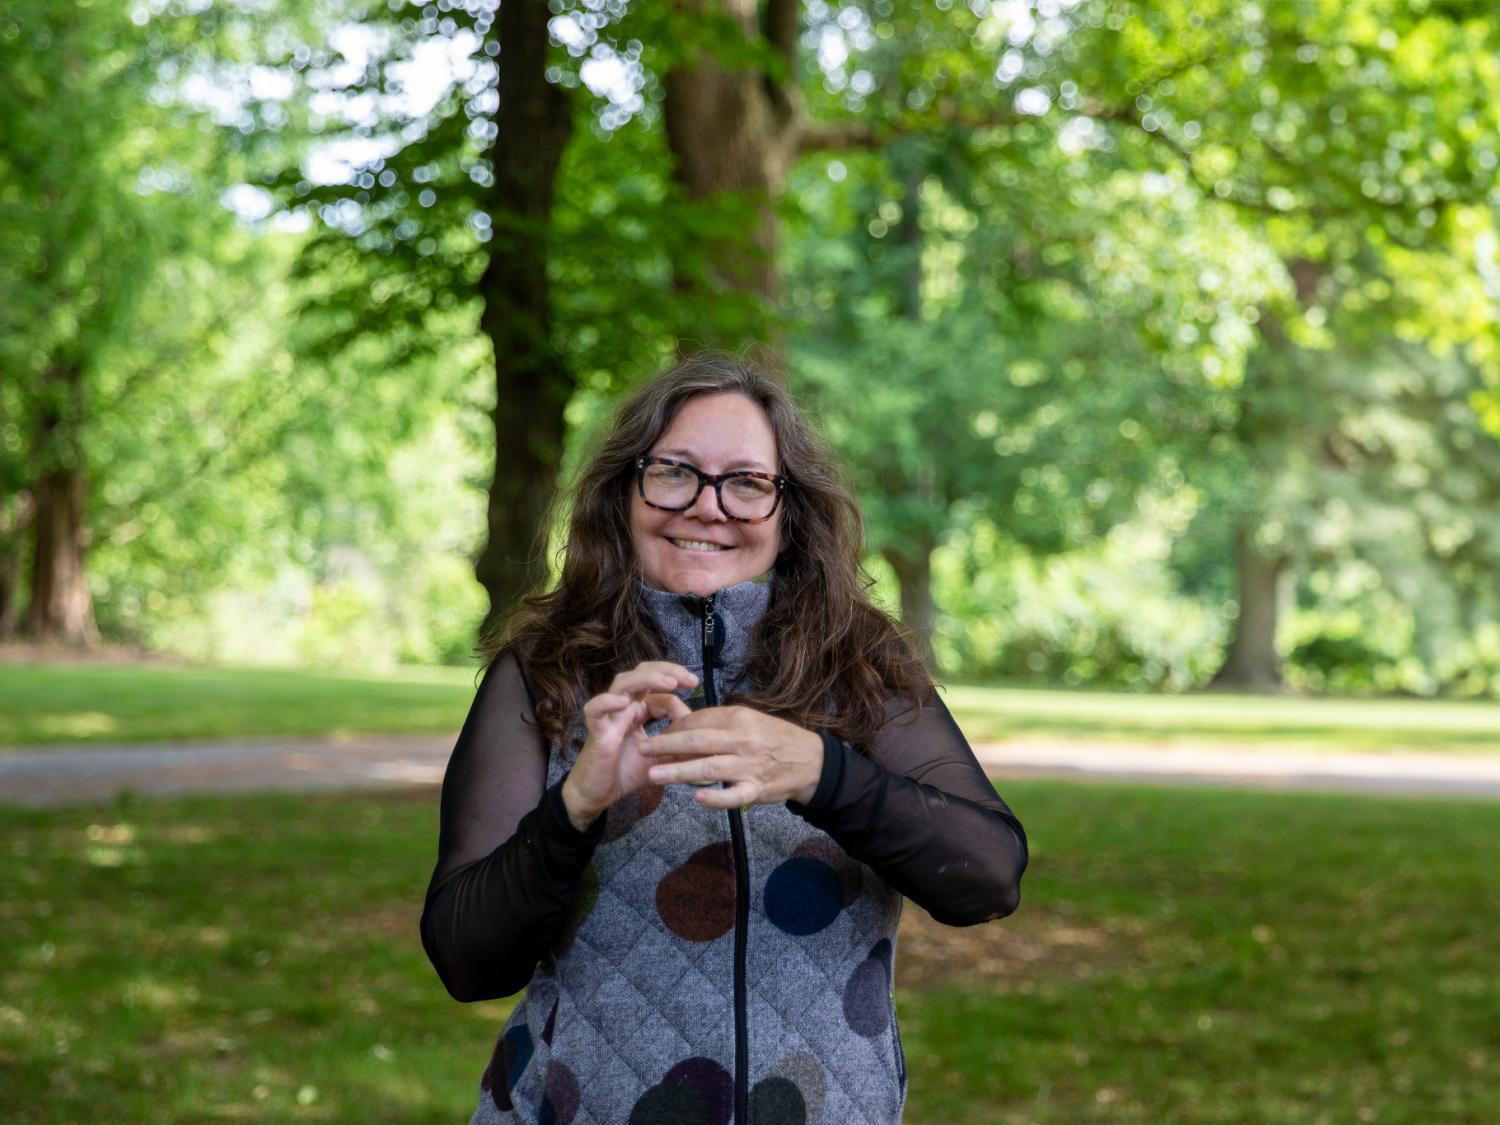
<point x="512" y="1053"/>
<point x="803" y="895"/>
<point x="520" y="1053"/>
<point x="867" y="996"/>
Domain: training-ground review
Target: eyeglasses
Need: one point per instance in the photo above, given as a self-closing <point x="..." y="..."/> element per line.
<point x="674" y="486"/>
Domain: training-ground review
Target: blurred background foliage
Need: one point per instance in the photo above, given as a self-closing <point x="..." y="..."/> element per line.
<point x="1160" y="338"/>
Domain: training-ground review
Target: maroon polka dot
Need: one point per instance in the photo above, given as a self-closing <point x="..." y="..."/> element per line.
<point x="651" y="797"/>
<point x="709" y="1081"/>
<point x="560" y="1104"/>
<point x="696" y="901"/>
<point x="629" y="811"/>
<point x="512" y="1053"/>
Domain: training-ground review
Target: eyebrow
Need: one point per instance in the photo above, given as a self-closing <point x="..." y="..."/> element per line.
<point x="688" y="455"/>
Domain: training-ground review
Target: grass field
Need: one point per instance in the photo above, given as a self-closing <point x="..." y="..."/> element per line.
<point x="83" y="703"/>
<point x="1180" y="956"/>
<point x="1279" y="722"/>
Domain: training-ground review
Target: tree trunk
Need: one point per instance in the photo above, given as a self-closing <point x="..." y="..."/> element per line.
<point x="532" y="380"/>
<point x="912" y="561"/>
<point x="730" y="132"/>
<point x="15" y="522"/>
<point x="60" y="610"/>
<point x="1252" y="663"/>
<point x="913" y="568"/>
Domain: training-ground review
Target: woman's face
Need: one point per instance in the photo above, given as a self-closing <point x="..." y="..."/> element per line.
<point x="700" y="550"/>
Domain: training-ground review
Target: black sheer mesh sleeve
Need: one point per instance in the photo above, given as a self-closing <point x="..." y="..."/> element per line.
<point x="918" y="809"/>
<point x="509" y="859"/>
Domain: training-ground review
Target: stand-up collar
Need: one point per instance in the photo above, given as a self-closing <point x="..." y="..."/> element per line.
<point x="737" y="610"/>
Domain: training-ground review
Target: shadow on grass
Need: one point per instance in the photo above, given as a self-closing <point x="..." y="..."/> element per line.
<point x="1180" y="955"/>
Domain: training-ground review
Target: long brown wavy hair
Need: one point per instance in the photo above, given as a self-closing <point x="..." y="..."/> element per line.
<point x="822" y="656"/>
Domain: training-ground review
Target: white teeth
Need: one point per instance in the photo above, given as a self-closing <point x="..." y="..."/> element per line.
<point x="697" y="545"/>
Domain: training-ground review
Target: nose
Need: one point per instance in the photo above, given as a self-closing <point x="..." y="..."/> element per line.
<point x="706" y="507"/>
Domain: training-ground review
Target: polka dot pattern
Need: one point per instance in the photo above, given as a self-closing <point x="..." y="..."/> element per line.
<point x="561" y="1096"/>
<point x="629" y="811"/>
<point x="805" y="1072"/>
<point x="696" y="1091"/>
<point x="867" y="995"/>
<point x="512" y="1053"/>
<point x="803" y="895"/>
<point x="696" y="901"/>
<point x="777" y="1099"/>
<point x="646" y="961"/>
<point x="850" y="873"/>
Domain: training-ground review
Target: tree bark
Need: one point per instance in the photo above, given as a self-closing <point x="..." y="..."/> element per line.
<point x="15" y="523"/>
<point x="913" y="567"/>
<point x="732" y="132"/>
<point x="60" y="610"/>
<point x="912" y="561"/>
<point x="532" y="380"/>
<point x="1253" y="663"/>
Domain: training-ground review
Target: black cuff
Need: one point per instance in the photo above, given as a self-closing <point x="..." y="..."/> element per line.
<point x="555" y="810"/>
<point x="829" y="780"/>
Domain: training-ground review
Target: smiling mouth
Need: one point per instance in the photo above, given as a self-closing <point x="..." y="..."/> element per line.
<point x="697" y="545"/>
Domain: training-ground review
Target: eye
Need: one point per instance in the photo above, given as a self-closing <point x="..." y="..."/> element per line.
<point x="667" y="474"/>
<point x="750" y="488"/>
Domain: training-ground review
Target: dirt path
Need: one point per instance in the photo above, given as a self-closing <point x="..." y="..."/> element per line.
<point x="1456" y="775"/>
<point x="60" y="776"/>
<point x="74" y="775"/>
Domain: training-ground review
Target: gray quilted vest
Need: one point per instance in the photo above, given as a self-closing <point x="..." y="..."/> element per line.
<point x="715" y="967"/>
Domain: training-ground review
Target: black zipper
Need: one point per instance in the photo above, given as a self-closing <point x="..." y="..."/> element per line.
<point x="741" y="936"/>
<point x="711" y="642"/>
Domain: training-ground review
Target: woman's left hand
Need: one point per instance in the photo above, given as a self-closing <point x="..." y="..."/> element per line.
<point x="761" y="759"/>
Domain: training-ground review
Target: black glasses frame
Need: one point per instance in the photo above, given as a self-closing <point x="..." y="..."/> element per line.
<point x="704" y="480"/>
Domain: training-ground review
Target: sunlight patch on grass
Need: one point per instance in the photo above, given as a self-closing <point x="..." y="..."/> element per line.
<point x="78" y="724"/>
<point x="148" y="992"/>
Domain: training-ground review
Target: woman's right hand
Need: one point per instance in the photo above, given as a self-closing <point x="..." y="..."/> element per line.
<point x="610" y="765"/>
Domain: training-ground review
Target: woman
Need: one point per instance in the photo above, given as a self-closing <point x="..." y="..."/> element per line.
<point x="697" y="779"/>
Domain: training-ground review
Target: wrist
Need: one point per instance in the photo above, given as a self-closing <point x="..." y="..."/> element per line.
<point x="813" y="744"/>
<point x="580" y="813"/>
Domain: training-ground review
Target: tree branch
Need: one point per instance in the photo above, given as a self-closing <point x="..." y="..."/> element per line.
<point x="851" y="134"/>
<point x="1129" y="115"/>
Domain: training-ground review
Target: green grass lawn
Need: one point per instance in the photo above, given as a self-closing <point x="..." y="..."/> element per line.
<point x="1271" y="722"/>
<point x="100" y="703"/>
<point x="1180" y="956"/>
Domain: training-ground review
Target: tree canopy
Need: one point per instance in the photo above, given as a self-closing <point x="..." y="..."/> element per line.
<point x="1190" y="299"/>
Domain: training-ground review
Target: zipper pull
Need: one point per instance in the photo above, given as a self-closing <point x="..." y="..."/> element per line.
<point x="708" y="625"/>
